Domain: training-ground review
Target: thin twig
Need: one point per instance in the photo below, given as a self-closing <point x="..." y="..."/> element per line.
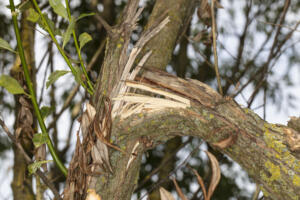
<point x="41" y="61"/>
<point x="275" y="49"/>
<point x="95" y="56"/>
<point x="215" y="46"/>
<point x="279" y="25"/>
<point x="76" y="88"/>
<point x="32" y="90"/>
<point x="183" y="163"/>
<point x="106" y="26"/>
<point x="29" y="160"/>
<point x="65" y="106"/>
<point x="87" y="79"/>
<point x="43" y="83"/>
<point x="161" y="165"/>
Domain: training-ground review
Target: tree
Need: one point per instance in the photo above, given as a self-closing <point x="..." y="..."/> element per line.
<point x="118" y="127"/>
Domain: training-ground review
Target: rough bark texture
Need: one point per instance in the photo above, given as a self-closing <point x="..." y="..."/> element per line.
<point x="163" y="44"/>
<point x="264" y="150"/>
<point x="119" y="185"/>
<point x="114" y="62"/>
<point x="116" y="46"/>
<point x="180" y="64"/>
<point x="268" y="152"/>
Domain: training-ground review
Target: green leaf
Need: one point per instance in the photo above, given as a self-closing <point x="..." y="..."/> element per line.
<point x="83" y="39"/>
<point x="11" y="85"/>
<point x="78" y="75"/>
<point x="37" y="164"/>
<point x="51" y="24"/>
<point x="59" y="8"/>
<point x="67" y="34"/>
<point x="74" y="61"/>
<point x="39" y="139"/>
<point x="54" y="76"/>
<point x="46" y="111"/>
<point x="24" y="5"/>
<point x="84" y="15"/>
<point x="33" y="16"/>
<point x="5" y="45"/>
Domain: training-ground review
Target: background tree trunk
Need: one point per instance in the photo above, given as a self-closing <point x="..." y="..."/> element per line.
<point x="25" y="124"/>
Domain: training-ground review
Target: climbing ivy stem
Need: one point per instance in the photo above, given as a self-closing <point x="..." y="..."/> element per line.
<point x="78" y="49"/>
<point x="49" y="30"/>
<point x="32" y="92"/>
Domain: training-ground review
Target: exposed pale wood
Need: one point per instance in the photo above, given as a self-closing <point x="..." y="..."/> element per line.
<point x="261" y="148"/>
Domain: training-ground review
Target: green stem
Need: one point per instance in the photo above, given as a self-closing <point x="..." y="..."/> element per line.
<point x="78" y="49"/>
<point x="57" y="45"/>
<point x="32" y="92"/>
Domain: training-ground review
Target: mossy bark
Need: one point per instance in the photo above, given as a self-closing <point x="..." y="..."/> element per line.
<point x="180" y="65"/>
<point x="264" y="150"/>
<point x="162" y="46"/>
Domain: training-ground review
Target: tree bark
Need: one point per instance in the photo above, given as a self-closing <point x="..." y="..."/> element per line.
<point x="163" y="44"/>
<point x="264" y="150"/>
<point x="268" y="152"/>
<point x="107" y="84"/>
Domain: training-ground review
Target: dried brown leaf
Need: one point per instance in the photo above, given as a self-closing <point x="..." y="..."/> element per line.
<point x="18" y="132"/>
<point x="204" y="10"/>
<point x="90" y="111"/>
<point x="216" y="174"/>
<point x="224" y="143"/>
<point x="100" y="155"/>
<point x="96" y="155"/>
<point x="25" y="116"/>
<point x="100" y="136"/>
<point x="165" y="195"/>
<point x="201" y="183"/>
<point x="87" y="118"/>
<point x="24" y="102"/>
<point x="179" y="191"/>
<point x="41" y="155"/>
<point x="198" y="37"/>
<point x="217" y="4"/>
<point x="84" y="124"/>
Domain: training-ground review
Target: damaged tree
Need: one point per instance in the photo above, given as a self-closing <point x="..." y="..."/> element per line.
<point x="136" y="122"/>
<point x="135" y="106"/>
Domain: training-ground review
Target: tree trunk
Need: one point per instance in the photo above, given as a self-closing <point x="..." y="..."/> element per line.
<point x="190" y="108"/>
<point x="268" y="152"/>
<point x="108" y="82"/>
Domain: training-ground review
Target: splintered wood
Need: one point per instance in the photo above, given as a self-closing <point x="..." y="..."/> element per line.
<point x="137" y="103"/>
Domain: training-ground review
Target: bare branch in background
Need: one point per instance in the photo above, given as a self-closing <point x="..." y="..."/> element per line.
<point x="29" y="161"/>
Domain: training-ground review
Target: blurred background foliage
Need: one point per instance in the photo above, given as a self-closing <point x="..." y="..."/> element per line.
<point x="258" y="51"/>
